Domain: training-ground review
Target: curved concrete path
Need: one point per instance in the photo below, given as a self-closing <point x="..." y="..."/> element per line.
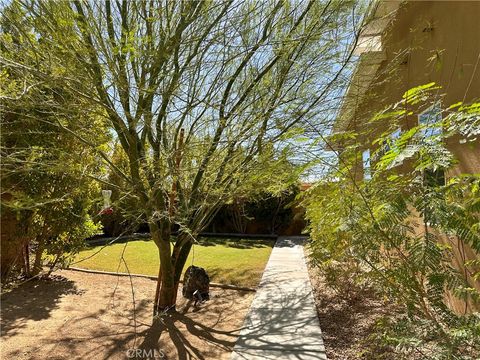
<point x="282" y="322"/>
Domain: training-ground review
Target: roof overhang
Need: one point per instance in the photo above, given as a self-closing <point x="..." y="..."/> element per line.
<point x="370" y="54"/>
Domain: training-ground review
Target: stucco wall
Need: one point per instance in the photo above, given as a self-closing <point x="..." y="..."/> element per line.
<point x="430" y="41"/>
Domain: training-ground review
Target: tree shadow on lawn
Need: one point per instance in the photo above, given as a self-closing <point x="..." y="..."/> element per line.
<point x="239" y="243"/>
<point x="235" y="276"/>
<point x="236" y="243"/>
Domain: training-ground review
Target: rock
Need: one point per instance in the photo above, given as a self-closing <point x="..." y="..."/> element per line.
<point x="196" y="284"/>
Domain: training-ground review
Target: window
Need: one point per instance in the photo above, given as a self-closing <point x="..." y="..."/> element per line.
<point x="430" y="119"/>
<point x="387" y="144"/>
<point x="396" y="134"/>
<point x="434" y="178"/>
<point x="391" y="141"/>
<point x="367" y="171"/>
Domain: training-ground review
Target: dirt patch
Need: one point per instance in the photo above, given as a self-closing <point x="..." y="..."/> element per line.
<point x="347" y="325"/>
<point x="89" y="316"/>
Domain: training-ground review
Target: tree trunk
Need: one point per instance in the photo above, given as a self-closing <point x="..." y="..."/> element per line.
<point x="26" y="259"/>
<point x="179" y="258"/>
<point x="170" y="271"/>
<point x="165" y="296"/>
<point x="37" y="265"/>
<point x="274" y="217"/>
<point x="238" y="216"/>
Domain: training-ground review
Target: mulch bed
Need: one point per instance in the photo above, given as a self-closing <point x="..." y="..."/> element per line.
<point x="347" y="324"/>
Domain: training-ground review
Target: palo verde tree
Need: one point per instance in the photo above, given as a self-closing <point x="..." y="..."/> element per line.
<point x="199" y="94"/>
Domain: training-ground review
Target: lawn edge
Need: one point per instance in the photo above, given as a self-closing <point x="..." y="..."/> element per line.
<point x="151" y="277"/>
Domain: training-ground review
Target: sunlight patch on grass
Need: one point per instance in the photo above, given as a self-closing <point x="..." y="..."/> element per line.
<point x="227" y="261"/>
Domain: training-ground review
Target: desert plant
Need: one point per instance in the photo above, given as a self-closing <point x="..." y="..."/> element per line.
<point x="393" y="229"/>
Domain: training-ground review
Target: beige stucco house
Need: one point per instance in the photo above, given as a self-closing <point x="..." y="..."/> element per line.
<point x="407" y="44"/>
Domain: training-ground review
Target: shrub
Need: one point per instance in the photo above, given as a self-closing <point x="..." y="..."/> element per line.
<point x="394" y="231"/>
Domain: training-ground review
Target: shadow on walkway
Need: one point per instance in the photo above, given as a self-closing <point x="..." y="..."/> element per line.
<point x="282" y="322"/>
<point x="290" y="241"/>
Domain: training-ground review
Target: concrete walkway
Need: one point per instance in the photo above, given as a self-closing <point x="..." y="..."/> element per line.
<point x="282" y="322"/>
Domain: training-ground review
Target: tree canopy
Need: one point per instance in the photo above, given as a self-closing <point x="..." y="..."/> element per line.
<point x="201" y="95"/>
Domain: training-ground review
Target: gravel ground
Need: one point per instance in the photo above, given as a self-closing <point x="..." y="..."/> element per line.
<point x="89" y="316"/>
<point x="346" y="325"/>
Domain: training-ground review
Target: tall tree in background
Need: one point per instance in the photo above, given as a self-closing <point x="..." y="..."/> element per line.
<point x="200" y="95"/>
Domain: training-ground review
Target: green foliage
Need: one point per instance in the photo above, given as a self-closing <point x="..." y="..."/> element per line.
<point x="399" y="231"/>
<point x="274" y="210"/>
<point x="267" y="196"/>
<point x="47" y="173"/>
<point x="125" y="218"/>
<point x="200" y="95"/>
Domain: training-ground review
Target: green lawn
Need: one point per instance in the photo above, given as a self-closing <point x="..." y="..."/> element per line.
<point x="227" y="261"/>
